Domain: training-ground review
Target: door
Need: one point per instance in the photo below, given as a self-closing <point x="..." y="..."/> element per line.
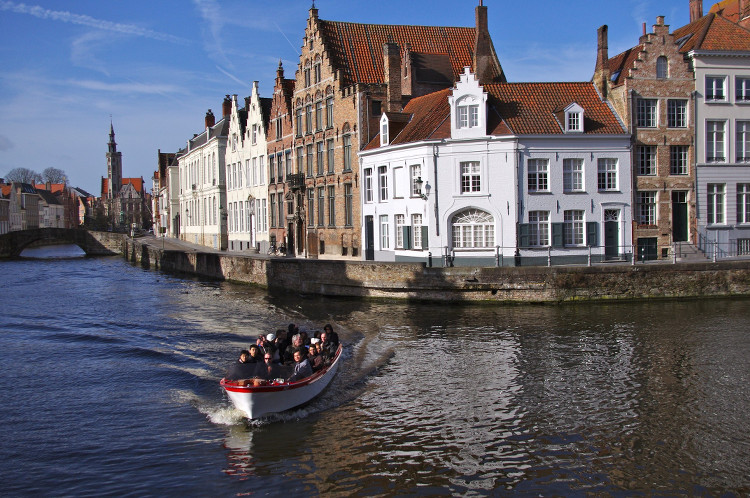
<point x="290" y="239"/>
<point x="612" y="234"/>
<point x="679" y="217"/>
<point x="369" y="238"/>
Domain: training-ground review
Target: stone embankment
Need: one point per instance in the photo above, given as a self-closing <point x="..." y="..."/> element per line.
<point x="418" y="282"/>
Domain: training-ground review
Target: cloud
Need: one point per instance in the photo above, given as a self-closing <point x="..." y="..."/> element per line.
<point x="84" y="20"/>
<point x="210" y="11"/>
<point x="5" y="143"/>
<point x="82" y="54"/>
<point x="131" y="87"/>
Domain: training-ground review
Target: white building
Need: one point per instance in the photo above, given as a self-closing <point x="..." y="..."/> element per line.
<point x="504" y="174"/>
<point x="202" y="196"/>
<point x="247" y="186"/>
<point x="719" y="51"/>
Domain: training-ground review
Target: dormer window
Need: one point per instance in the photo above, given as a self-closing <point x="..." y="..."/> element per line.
<point x="468" y="102"/>
<point x="573" y="119"/>
<point x="468" y="116"/>
<point x="384" y="130"/>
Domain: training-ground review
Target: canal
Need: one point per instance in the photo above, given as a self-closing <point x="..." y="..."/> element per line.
<point x="110" y="387"/>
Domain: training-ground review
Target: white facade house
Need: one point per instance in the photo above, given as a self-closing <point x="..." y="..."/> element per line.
<point x="247" y="186"/>
<point x="719" y="51"/>
<point x="202" y="196"/>
<point x="505" y="174"/>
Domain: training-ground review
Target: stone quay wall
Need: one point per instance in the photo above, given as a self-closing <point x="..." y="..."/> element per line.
<point x="415" y="281"/>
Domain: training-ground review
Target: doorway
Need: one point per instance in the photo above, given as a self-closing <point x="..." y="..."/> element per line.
<point x="679" y="216"/>
<point x="369" y="238"/>
<point x="611" y="234"/>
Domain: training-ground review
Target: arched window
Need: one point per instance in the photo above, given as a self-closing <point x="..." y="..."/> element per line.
<point x="662" y="68"/>
<point x="473" y="229"/>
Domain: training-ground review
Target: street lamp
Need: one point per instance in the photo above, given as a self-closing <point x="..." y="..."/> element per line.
<point x="419" y="183"/>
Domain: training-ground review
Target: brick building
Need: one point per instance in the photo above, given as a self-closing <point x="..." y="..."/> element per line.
<point x="348" y="75"/>
<point x="651" y="87"/>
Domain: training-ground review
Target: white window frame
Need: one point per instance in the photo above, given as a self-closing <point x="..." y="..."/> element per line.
<point x="399" y="221"/>
<point x="677" y="113"/>
<point x="471" y="177"/>
<point x="539" y="227"/>
<point x="743" y="203"/>
<point x="716" y="143"/>
<point x="646" y="205"/>
<point x="573" y="227"/>
<point x="368" y="185"/>
<point x="573" y="175"/>
<point x="645" y="156"/>
<point x="716" y="88"/>
<point x="473" y="229"/>
<point x="742" y="144"/>
<point x="647" y="113"/>
<point x="538" y="175"/>
<point x="416" y="231"/>
<point x="415" y="173"/>
<point x="382" y="183"/>
<point x="607" y="174"/>
<point x="742" y="89"/>
<point x="467" y="116"/>
<point x="679" y="159"/>
<point x="384" y="229"/>
<point x="715" y="203"/>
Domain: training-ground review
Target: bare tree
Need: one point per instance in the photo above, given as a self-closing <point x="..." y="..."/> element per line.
<point x="23" y="175"/>
<point x="54" y="175"/>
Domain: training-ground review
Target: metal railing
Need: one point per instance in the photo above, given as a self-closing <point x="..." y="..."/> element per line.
<point x="716" y="250"/>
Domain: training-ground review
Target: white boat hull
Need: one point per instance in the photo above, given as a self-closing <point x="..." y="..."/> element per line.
<point x="272" y="397"/>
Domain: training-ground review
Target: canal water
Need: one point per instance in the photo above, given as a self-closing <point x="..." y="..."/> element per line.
<point x="110" y="387"/>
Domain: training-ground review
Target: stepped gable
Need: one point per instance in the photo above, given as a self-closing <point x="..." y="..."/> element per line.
<point x="357" y="49"/>
<point x="529" y="108"/>
<point x="713" y="32"/>
<point x="265" y="111"/>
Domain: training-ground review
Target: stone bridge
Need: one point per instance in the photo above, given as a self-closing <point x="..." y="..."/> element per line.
<point x="92" y="243"/>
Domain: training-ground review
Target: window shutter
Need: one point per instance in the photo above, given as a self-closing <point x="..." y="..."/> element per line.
<point x="592" y="234"/>
<point x="557" y="235"/>
<point x="407" y="236"/>
<point x="524" y="240"/>
<point x="425" y="233"/>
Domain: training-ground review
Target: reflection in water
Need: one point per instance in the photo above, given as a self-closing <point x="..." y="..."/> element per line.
<point x="53" y="251"/>
<point x="627" y="398"/>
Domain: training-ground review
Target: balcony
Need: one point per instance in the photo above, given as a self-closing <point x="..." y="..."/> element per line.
<point x="296" y="181"/>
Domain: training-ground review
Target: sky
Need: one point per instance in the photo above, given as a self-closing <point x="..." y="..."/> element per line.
<point x="153" y="68"/>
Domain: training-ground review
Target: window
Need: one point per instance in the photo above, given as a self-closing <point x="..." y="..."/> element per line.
<point x="329" y="112"/>
<point x="383" y="183"/>
<point x="330" y="156"/>
<point x="743" y="141"/>
<point x="538" y="228"/>
<point x="416" y="231"/>
<point x="716" y="88"/>
<point x="574" y="122"/>
<point x="538" y="175"/>
<point x="573" y="228"/>
<point x="743" y="203"/>
<point x="646" y="113"/>
<point x="272" y="202"/>
<point x="468" y="116"/>
<point x="280" y="198"/>
<point x="677" y="113"/>
<point x="298" y="119"/>
<point x="347" y="152"/>
<point x="646" y="205"/>
<point x="307" y="76"/>
<point x="646" y="158"/>
<point x="678" y="159"/>
<point x="742" y="89"/>
<point x="320" y="157"/>
<point x="607" y="174"/>
<point x="255" y="134"/>
<point x="384" y="131"/>
<point x="377" y="108"/>
<point x="271" y="169"/>
<point x="316" y="72"/>
<point x="715" y="143"/>
<point x="321" y="206"/>
<point x="471" y="180"/>
<point x="308" y="119"/>
<point x="368" y="185"/>
<point x="573" y="175"/>
<point x="319" y="115"/>
<point x="331" y="206"/>
<point x="348" y="205"/>
<point x="263" y="213"/>
<point x="715" y="203"/>
<point x="311" y="207"/>
<point x="279" y="128"/>
<point x="261" y="171"/>
<point x="415" y="171"/>
<point x="473" y="229"/>
<point x="384" y="231"/>
<point x="400" y="221"/>
<point x="662" y="68"/>
<point x="310" y="158"/>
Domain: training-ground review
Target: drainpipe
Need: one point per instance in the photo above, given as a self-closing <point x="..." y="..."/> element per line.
<point x="435" y="187"/>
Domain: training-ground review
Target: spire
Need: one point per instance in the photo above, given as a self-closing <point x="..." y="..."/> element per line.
<point x="112" y="144"/>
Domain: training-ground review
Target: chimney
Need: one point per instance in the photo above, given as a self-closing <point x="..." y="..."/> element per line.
<point x="226" y="107"/>
<point x="601" y="71"/>
<point x="392" y="67"/>
<point x="483" y="53"/>
<point x="210" y="119"/>
<point x="280" y="72"/>
<point x="696" y="10"/>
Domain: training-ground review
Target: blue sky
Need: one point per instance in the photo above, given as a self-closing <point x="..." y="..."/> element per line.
<point x="156" y="66"/>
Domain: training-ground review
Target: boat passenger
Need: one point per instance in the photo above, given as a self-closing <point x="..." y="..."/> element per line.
<point x="269" y="346"/>
<point x="270" y="370"/>
<point x="296" y="345"/>
<point x="315" y="359"/>
<point x="242" y="368"/>
<point x="333" y="337"/>
<point x="326" y="360"/>
<point x="329" y="349"/>
<point x="256" y="356"/>
<point x="302" y="367"/>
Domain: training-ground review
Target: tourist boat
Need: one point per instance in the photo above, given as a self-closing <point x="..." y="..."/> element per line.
<point x="257" y="398"/>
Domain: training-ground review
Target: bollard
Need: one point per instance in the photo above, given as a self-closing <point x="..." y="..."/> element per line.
<point x="429" y="259"/>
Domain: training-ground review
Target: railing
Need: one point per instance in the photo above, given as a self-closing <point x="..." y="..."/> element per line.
<point x="296" y="181"/>
<point x="716" y="250"/>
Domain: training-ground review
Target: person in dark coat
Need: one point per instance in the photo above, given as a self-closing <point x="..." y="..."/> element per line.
<point x="333" y="337"/>
<point x="295" y="346"/>
<point x="302" y="368"/>
<point x="243" y="368"/>
<point x="256" y="355"/>
<point x="270" y="370"/>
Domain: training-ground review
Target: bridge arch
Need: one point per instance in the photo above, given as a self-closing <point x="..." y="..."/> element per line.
<point x="13" y="243"/>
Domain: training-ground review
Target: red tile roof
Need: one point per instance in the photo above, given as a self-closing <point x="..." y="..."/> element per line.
<point x="357" y="49"/>
<point x="136" y="182"/>
<point x="713" y="33"/>
<point x="513" y="108"/>
<point x="621" y="64"/>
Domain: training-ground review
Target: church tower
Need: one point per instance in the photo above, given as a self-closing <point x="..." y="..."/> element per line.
<point x="114" y="166"/>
